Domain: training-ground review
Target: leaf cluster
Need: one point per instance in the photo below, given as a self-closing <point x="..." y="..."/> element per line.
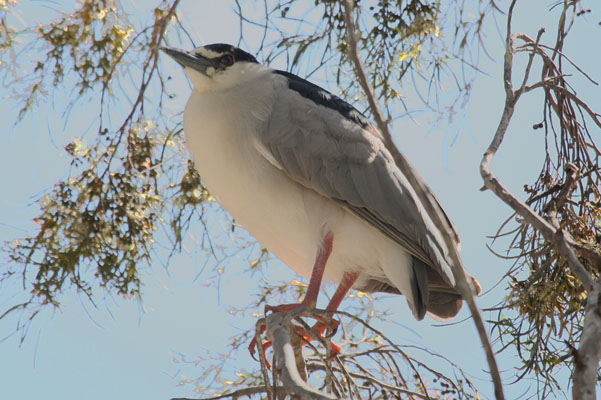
<point x="88" y="42"/>
<point x="97" y="227"/>
<point x="7" y="33"/>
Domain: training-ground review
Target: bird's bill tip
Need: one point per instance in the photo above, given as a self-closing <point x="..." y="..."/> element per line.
<point x="187" y="59"/>
<point x="171" y="51"/>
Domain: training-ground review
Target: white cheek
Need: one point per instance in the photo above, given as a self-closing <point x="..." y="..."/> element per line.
<point x="200" y="81"/>
<point x="218" y="80"/>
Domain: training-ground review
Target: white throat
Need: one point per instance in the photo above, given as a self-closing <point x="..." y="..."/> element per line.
<point x="238" y="75"/>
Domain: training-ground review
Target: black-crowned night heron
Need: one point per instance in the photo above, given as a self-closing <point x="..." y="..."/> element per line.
<point x="309" y="176"/>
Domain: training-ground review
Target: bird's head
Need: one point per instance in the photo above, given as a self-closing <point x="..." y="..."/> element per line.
<point x="217" y="67"/>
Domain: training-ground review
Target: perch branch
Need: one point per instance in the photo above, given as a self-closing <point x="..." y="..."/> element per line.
<point x="277" y="328"/>
<point x="427" y="198"/>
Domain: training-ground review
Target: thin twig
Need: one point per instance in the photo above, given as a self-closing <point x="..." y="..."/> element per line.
<point x="249" y="391"/>
<point x="320" y="367"/>
<point x="258" y="328"/>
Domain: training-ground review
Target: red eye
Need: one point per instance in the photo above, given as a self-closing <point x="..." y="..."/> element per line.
<point x="226" y="60"/>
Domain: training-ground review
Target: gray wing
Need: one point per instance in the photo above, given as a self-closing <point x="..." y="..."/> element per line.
<point x="339" y="155"/>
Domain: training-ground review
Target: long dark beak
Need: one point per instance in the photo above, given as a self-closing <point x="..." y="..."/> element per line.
<point x="190" y="60"/>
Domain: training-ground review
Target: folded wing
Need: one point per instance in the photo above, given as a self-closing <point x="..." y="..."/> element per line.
<point x="326" y="145"/>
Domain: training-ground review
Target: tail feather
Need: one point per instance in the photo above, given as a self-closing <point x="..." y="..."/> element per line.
<point x="419" y="288"/>
<point x="444" y="306"/>
<point x="440" y="300"/>
<point x="427" y="293"/>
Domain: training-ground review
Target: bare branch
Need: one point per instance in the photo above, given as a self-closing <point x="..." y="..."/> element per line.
<point x="589" y="354"/>
<point x="539" y="49"/>
<point x="587" y="358"/>
<point x="558" y="202"/>
<point x="279" y="333"/>
<point x="365" y="376"/>
<point x="441" y="221"/>
<point x="491" y="182"/>
<point x="530" y="59"/>
<point x="260" y="323"/>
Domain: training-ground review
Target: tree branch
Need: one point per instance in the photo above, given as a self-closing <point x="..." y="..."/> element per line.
<point x="364" y="377"/>
<point x="491" y="182"/>
<point x="427" y="198"/>
<point x="586" y="358"/>
<point x="277" y="328"/>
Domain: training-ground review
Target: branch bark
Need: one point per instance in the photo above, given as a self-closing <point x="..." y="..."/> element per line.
<point x="427" y="198"/>
<point x="277" y="328"/>
<point x="588" y="355"/>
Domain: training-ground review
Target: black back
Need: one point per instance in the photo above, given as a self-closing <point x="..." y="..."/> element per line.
<point x="324" y="98"/>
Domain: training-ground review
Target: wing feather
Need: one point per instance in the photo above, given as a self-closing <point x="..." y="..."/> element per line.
<point x="344" y="159"/>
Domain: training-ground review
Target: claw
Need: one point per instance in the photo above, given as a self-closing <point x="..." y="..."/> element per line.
<point x="251" y="350"/>
<point x="253" y="344"/>
<point x="321" y="326"/>
<point x="318" y="329"/>
<point x="335" y="350"/>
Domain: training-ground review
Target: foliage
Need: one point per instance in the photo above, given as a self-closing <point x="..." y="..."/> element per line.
<point x="6" y="32"/>
<point x="97" y="227"/>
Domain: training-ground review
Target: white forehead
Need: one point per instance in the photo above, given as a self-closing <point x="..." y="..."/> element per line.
<point x="206" y="53"/>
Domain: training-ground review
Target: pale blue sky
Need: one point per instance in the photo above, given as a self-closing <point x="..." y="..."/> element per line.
<point x="129" y="354"/>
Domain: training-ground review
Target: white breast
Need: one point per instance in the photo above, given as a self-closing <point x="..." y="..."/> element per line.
<point x="288" y="219"/>
<point x="260" y="197"/>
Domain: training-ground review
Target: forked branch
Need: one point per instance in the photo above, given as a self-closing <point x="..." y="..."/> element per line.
<point x="588" y="356"/>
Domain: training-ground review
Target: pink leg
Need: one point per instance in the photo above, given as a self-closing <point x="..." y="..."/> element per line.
<point x="347" y="282"/>
<point x="310" y="300"/>
<point x="318" y="269"/>
<point x="345" y="285"/>
<point x="323" y="253"/>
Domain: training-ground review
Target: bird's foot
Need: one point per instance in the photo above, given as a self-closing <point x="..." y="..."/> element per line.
<point x="264" y="346"/>
<point x="323" y="321"/>
<point x="317" y="331"/>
